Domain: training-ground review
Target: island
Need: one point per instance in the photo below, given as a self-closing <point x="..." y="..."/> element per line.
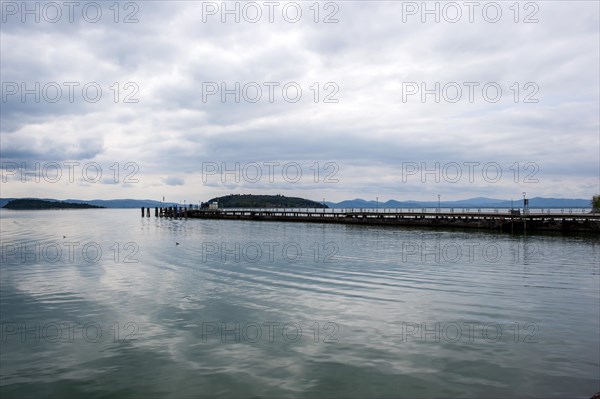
<point x="264" y="201"/>
<point x="36" y="204"/>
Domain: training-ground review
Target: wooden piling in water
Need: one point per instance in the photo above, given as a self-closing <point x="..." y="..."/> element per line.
<point x="142" y="211"/>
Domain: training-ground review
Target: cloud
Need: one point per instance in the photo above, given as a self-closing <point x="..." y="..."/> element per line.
<point x="154" y="109"/>
<point x="173" y="181"/>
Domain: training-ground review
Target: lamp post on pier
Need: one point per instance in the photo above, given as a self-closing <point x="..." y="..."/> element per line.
<point x="524" y="210"/>
<point x="439" y="209"/>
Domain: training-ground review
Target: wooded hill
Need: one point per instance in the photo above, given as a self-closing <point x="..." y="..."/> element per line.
<point x="264" y="201"/>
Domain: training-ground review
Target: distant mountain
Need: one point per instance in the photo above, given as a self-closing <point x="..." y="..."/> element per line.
<point x="480" y="202"/>
<point x="127" y="203"/>
<point x="264" y="201"/>
<point x="36" y="204"/>
<point x="116" y="203"/>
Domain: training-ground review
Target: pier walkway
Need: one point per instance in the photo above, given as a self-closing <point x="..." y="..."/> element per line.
<point x="496" y="219"/>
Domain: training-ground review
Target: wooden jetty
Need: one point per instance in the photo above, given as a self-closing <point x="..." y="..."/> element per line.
<point x="503" y="219"/>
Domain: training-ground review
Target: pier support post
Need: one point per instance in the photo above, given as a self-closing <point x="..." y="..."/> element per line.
<point x="142" y="211"/>
<point x="147" y="212"/>
<point x="155" y="211"/>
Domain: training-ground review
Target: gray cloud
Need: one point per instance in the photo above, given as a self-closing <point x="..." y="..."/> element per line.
<point x="170" y="55"/>
<point x="173" y="181"/>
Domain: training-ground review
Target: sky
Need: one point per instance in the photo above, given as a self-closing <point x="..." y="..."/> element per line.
<point x="189" y="100"/>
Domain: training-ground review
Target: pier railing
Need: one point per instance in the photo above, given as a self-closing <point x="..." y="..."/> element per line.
<point x="490" y="218"/>
<point x="500" y="211"/>
<point x="383" y="213"/>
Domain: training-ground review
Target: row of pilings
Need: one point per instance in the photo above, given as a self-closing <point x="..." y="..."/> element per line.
<point x="171" y="211"/>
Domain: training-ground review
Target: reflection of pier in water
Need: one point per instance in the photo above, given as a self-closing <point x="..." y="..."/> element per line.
<point x="493" y="219"/>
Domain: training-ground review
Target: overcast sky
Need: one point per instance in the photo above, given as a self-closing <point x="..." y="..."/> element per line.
<point x="491" y="100"/>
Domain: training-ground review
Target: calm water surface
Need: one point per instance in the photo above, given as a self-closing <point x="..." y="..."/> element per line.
<point x="104" y="303"/>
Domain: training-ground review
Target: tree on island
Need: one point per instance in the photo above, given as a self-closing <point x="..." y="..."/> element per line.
<point x="34" y="204"/>
<point x="264" y="201"/>
<point x="596" y="204"/>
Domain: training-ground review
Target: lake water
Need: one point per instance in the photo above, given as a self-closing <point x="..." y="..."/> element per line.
<point x="104" y="303"/>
